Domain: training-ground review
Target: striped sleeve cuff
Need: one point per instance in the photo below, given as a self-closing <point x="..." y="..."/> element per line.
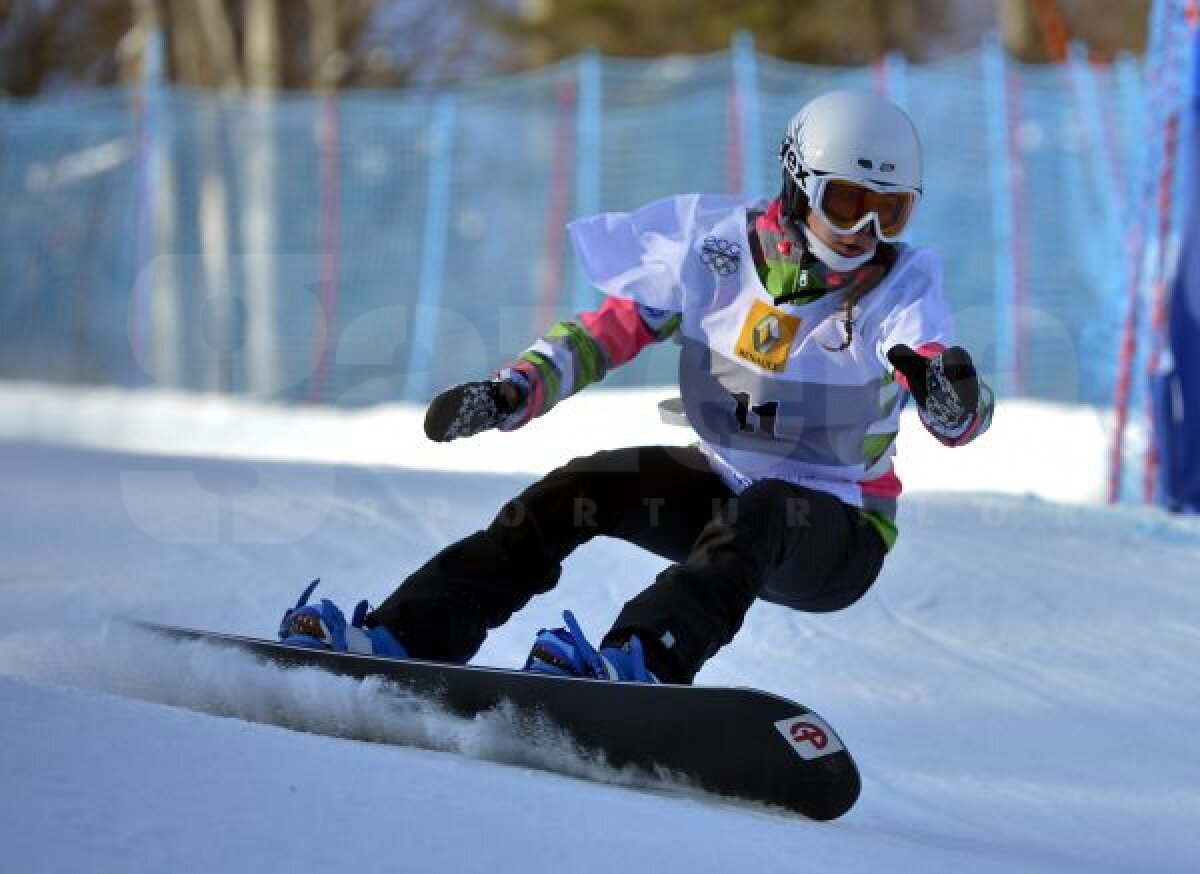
<point x="577" y="353"/>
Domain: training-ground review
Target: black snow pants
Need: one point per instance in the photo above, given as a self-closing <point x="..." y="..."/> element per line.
<point x="776" y="541"/>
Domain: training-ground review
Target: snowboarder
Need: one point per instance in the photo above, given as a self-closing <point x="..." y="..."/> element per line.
<point x="805" y="325"/>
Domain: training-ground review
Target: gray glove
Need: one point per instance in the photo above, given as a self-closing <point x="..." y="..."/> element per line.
<point x="468" y="409"/>
<point x="945" y="387"/>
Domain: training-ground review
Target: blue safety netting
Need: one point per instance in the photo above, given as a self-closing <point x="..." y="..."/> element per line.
<point x="370" y="246"/>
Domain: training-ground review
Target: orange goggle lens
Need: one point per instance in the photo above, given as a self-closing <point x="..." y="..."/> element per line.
<point x="845" y="204"/>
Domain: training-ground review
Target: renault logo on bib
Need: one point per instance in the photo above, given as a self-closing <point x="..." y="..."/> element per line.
<point x="767" y="337"/>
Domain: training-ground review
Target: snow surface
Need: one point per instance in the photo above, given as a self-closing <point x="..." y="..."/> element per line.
<point x="1021" y="688"/>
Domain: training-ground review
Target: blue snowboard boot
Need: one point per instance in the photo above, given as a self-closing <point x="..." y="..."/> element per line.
<point x="565" y="652"/>
<point x="323" y="626"/>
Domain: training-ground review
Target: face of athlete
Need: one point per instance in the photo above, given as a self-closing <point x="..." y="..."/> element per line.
<point x="848" y="245"/>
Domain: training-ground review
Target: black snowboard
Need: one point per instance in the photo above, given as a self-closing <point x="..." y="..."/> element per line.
<point x="737" y="742"/>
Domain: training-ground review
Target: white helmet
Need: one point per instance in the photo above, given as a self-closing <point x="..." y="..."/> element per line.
<point x="855" y="136"/>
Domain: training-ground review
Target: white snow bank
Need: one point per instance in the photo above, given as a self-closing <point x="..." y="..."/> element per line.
<point x="123" y="660"/>
<point x="1020" y="688"/>
<point x="1056" y="452"/>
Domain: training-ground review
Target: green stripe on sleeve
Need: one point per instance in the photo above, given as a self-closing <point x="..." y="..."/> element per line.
<point x="885" y="526"/>
<point x="875" y="445"/>
<point x="551" y="379"/>
<point x="586" y="353"/>
<point x="669" y="327"/>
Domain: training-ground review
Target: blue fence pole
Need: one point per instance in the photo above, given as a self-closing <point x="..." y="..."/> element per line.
<point x="1136" y="102"/>
<point x="895" y="76"/>
<point x="745" y="83"/>
<point x="1131" y="103"/>
<point x="433" y="248"/>
<point x="1170" y="99"/>
<point x="1131" y="99"/>
<point x="1178" y="394"/>
<point x="589" y="159"/>
<point x="1101" y="157"/>
<point x="149" y="166"/>
<point x="1106" y="178"/>
<point x="1000" y="177"/>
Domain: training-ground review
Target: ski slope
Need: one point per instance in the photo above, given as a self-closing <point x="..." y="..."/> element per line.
<point x="1021" y="689"/>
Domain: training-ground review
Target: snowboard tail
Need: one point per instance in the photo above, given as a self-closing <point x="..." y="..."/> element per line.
<point x="738" y="742"/>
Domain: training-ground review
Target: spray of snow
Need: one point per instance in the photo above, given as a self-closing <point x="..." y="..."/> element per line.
<point x="121" y="659"/>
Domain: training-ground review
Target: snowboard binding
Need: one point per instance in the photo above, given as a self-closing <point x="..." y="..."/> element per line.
<point x="566" y="652"/>
<point x="323" y="626"/>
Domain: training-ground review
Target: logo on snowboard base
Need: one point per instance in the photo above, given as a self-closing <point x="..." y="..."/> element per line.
<point x="809" y="736"/>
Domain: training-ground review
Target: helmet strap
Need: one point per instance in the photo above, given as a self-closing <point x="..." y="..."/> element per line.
<point x="794" y="200"/>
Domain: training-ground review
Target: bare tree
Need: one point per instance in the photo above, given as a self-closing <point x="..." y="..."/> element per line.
<point x="326" y="60"/>
<point x="1019" y="30"/>
<point x="269" y="44"/>
<point x="219" y="40"/>
<point x="1038" y="31"/>
<point x="245" y="44"/>
<point x="44" y="43"/>
<point x="840" y="32"/>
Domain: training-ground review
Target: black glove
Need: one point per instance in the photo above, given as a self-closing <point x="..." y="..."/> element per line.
<point x="946" y="387"/>
<point x="467" y="409"/>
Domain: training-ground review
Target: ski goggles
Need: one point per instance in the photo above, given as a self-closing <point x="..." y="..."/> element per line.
<point x="848" y="205"/>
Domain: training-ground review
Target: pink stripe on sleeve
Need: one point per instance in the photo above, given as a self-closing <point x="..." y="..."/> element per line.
<point x="619" y="329"/>
<point x="886" y="486"/>
<point x="536" y="401"/>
